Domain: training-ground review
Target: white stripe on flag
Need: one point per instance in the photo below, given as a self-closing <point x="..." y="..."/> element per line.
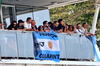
<point x="52" y="45"/>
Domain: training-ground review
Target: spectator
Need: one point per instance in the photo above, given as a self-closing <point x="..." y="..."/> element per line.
<point x="55" y="26"/>
<point x="66" y="27"/>
<point x="27" y="24"/>
<point x="20" y="25"/>
<point x="40" y="28"/>
<point x="12" y="26"/>
<point x="1" y="25"/>
<point x="61" y="26"/>
<point x="46" y="28"/>
<point x="34" y="27"/>
<point x="78" y="29"/>
<point x="71" y="29"/>
<point x="50" y="24"/>
<point x="84" y="29"/>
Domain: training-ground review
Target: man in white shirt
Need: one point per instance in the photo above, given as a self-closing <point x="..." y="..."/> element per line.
<point x="27" y="24"/>
<point x="78" y="29"/>
<point x="84" y="29"/>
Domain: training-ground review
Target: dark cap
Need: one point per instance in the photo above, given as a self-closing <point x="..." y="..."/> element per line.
<point x="20" y="21"/>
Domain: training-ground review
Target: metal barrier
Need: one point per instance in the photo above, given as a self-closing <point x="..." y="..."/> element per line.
<point x="25" y="44"/>
<point x="75" y="47"/>
<point x="8" y="44"/>
<point x="18" y="44"/>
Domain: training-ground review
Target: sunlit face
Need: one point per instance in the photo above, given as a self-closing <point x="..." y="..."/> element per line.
<point x="56" y="24"/>
<point x="85" y="25"/>
<point x="41" y="28"/>
<point x="46" y="24"/>
<point x="49" y="25"/>
<point x="21" y="24"/>
<point x="30" y="20"/>
<point x="33" y="23"/>
<point x="62" y="22"/>
<point x="79" y="25"/>
<point x="70" y="28"/>
<point x="67" y="26"/>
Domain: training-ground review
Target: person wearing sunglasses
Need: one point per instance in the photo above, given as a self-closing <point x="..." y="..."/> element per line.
<point x="12" y="26"/>
<point x="78" y="29"/>
<point x="84" y="29"/>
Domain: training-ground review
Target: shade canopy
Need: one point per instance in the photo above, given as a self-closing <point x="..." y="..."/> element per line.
<point x="41" y="3"/>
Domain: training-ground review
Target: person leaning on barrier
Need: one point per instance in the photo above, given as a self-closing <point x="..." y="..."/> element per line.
<point x="33" y="26"/>
<point x="84" y="29"/>
<point x="55" y="26"/>
<point x="71" y="29"/>
<point x="78" y="29"/>
<point x="27" y="24"/>
<point x="40" y="28"/>
<point x="66" y="27"/>
<point x="61" y="26"/>
<point x="50" y="24"/>
<point x="12" y="26"/>
<point x="20" y="25"/>
<point x="46" y="28"/>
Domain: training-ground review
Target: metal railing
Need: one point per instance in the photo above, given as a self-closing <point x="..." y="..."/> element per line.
<point x="20" y="44"/>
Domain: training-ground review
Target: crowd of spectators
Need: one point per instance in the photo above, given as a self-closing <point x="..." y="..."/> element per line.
<point x="57" y="26"/>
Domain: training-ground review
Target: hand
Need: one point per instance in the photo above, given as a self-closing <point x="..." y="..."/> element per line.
<point x="92" y="34"/>
<point x="85" y="34"/>
<point x="13" y="29"/>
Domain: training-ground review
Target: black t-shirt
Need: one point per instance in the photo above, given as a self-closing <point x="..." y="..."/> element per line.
<point x="10" y="27"/>
<point x="55" y="28"/>
<point x="20" y="27"/>
<point x="61" y="27"/>
<point x="52" y="27"/>
<point x="35" y="27"/>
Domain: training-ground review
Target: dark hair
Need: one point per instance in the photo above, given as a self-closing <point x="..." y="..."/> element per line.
<point x="78" y="24"/>
<point x="84" y="24"/>
<point x="44" y="22"/>
<point x="55" y="22"/>
<point x="12" y="25"/>
<point x="20" y="21"/>
<point x="69" y="27"/>
<point x="39" y="27"/>
<point x="49" y="22"/>
<point x="28" y="18"/>
<point x="60" y="20"/>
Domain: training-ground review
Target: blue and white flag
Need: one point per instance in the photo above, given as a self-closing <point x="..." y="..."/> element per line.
<point x="46" y="46"/>
<point x="96" y="49"/>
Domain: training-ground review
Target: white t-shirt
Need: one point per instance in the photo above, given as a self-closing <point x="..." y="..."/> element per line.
<point x="26" y="25"/>
<point x="79" y="31"/>
<point x="84" y="30"/>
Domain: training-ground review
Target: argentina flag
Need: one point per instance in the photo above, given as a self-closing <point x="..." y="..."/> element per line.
<point x="46" y="46"/>
<point x="96" y="49"/>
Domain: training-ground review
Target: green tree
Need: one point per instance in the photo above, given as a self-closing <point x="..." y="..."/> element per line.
<point x="77" y="13"/>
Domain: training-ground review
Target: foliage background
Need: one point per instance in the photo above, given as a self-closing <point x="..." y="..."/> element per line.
<point x="77" y="13"/>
